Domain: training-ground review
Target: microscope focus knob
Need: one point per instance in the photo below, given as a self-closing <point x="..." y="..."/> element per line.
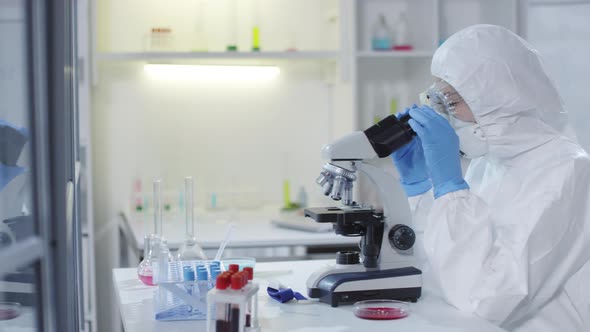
<point x="402" y="237"/>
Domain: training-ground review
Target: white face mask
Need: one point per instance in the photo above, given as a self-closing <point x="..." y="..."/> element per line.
<point x="472" y="141"/>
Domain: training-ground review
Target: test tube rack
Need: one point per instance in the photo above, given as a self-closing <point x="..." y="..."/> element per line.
<point x="178" y="299"/>
<point x="244" y="300"/>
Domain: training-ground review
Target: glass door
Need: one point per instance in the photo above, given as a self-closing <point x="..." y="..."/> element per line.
<point x="21" y="241"/>
<point x="40" y="274"/>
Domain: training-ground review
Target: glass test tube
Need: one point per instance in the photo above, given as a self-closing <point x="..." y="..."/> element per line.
<point x="158" y="207"/>
<point x="188" y="206"/>
<point x="201" y="35"/>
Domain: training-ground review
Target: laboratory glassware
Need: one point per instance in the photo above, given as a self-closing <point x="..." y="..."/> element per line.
<point x="200" y="31"/>
<point x="235" y="301"/>
<point x="255" y="27"/>
<point x="232" y="26"/>
<point x="381" y="309"/>
<point x="190" y="249"/>
<point x="401" y="42"/>
<point x="224" y="243"/>
<point x="161" y="39"/>
<point x="152" y="242"/>
<point x="381" y="35"/>
<point x="145" y="270"/>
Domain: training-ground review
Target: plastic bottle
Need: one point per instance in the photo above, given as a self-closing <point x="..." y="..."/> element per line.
<point x="302" y="197"/>
<point x="232" y="22"/>
<point x="138" y="201"/>
<point x="401" y="34"/>
<point x="286" y="194"/>
<point x="255" y="27"/>
<point x="381" y="35"/>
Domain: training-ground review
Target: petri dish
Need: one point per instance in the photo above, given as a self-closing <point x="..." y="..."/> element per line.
<point x="381" y="309"/>
<point x="9" y="310"/>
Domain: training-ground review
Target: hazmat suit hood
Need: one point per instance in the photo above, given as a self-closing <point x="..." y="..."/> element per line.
<point x="502" y="80"/>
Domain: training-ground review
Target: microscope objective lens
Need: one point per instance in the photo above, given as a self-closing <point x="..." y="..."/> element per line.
<point x="327" y="188"/>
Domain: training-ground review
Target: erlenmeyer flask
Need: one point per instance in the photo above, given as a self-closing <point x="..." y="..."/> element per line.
<point x="190" y="248"/>
<point x="154" y="243"/>
<point x="145" y="270"/>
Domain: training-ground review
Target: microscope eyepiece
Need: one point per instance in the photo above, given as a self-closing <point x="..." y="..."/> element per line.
<point x="390" y="134"/>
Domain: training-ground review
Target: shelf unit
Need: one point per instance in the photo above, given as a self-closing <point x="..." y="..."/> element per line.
<point x="393" y="54"/>
<point x="383" y="82"/>
<point x="151" y="56"/>
<point x="402" y="75"/>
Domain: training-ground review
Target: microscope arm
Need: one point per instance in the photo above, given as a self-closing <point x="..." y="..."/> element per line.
<point x="396" y="209"/>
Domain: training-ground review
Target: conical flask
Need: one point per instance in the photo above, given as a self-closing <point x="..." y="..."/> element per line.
<point x="190" y="248"/>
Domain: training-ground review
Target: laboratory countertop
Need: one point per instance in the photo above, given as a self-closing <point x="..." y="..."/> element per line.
<point x="250" y="230"/>
<point x="430" y="313"/>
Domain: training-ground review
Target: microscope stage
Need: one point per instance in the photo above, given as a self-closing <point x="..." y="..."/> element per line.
<point x="335" y="214"/>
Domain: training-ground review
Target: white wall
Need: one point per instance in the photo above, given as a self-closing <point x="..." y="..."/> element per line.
<point x="562" y="34"/>
<point x="231" y="136"/>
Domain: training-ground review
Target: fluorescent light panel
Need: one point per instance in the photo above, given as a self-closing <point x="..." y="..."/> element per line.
<point x="214" y="73"/>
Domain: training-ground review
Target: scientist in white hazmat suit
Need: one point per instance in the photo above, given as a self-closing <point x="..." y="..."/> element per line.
<point x="505" y="241"/>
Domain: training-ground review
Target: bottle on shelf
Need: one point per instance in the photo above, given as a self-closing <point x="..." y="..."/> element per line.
<point x="302" y="197"/>
<point x="161" y="39"/>
<point x="381" y="35"/>
<point x="401" y="42"/>
<point x="255" y="27"/>
<point x="232" y="26"/>
<point x="136" y="197"/>
<point x="200" y="41"/>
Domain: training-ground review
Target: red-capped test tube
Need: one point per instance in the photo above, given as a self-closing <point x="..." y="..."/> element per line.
<point x="250" y="272"/>
<point x="222" y="310"/>
<point x="237" y="290"/>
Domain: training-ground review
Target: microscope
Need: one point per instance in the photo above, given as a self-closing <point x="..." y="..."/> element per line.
<point x="383" y="269"/>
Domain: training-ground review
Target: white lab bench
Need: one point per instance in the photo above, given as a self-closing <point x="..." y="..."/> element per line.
<point x="252" y="230"/>
<point x="430" y="313"/>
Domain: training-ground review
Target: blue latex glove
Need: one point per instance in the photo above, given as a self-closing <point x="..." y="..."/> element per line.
<point x="441" y="150"/>
<point x="411" y="165"/>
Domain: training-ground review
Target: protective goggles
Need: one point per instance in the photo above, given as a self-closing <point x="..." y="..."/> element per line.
<point x="442" y="98"/>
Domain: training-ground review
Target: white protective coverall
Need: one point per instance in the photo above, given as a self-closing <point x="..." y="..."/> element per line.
<point x="507" y="248"/>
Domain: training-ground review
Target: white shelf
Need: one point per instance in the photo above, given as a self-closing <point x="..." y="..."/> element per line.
<point x="148" y="56"/>
<point x="394" y="54"/>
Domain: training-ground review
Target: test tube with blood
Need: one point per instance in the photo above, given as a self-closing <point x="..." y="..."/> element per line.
<point x="222" y="314"/>
<point x="237" y="282"/>
<point x="250" y="273"/>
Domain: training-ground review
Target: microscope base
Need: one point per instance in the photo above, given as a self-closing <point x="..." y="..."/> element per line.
<point x="404" y="284"/>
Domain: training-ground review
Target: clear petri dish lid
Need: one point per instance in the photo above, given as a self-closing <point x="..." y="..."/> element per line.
<point x="9" y="310"/>
<point x="381" y="309"/>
